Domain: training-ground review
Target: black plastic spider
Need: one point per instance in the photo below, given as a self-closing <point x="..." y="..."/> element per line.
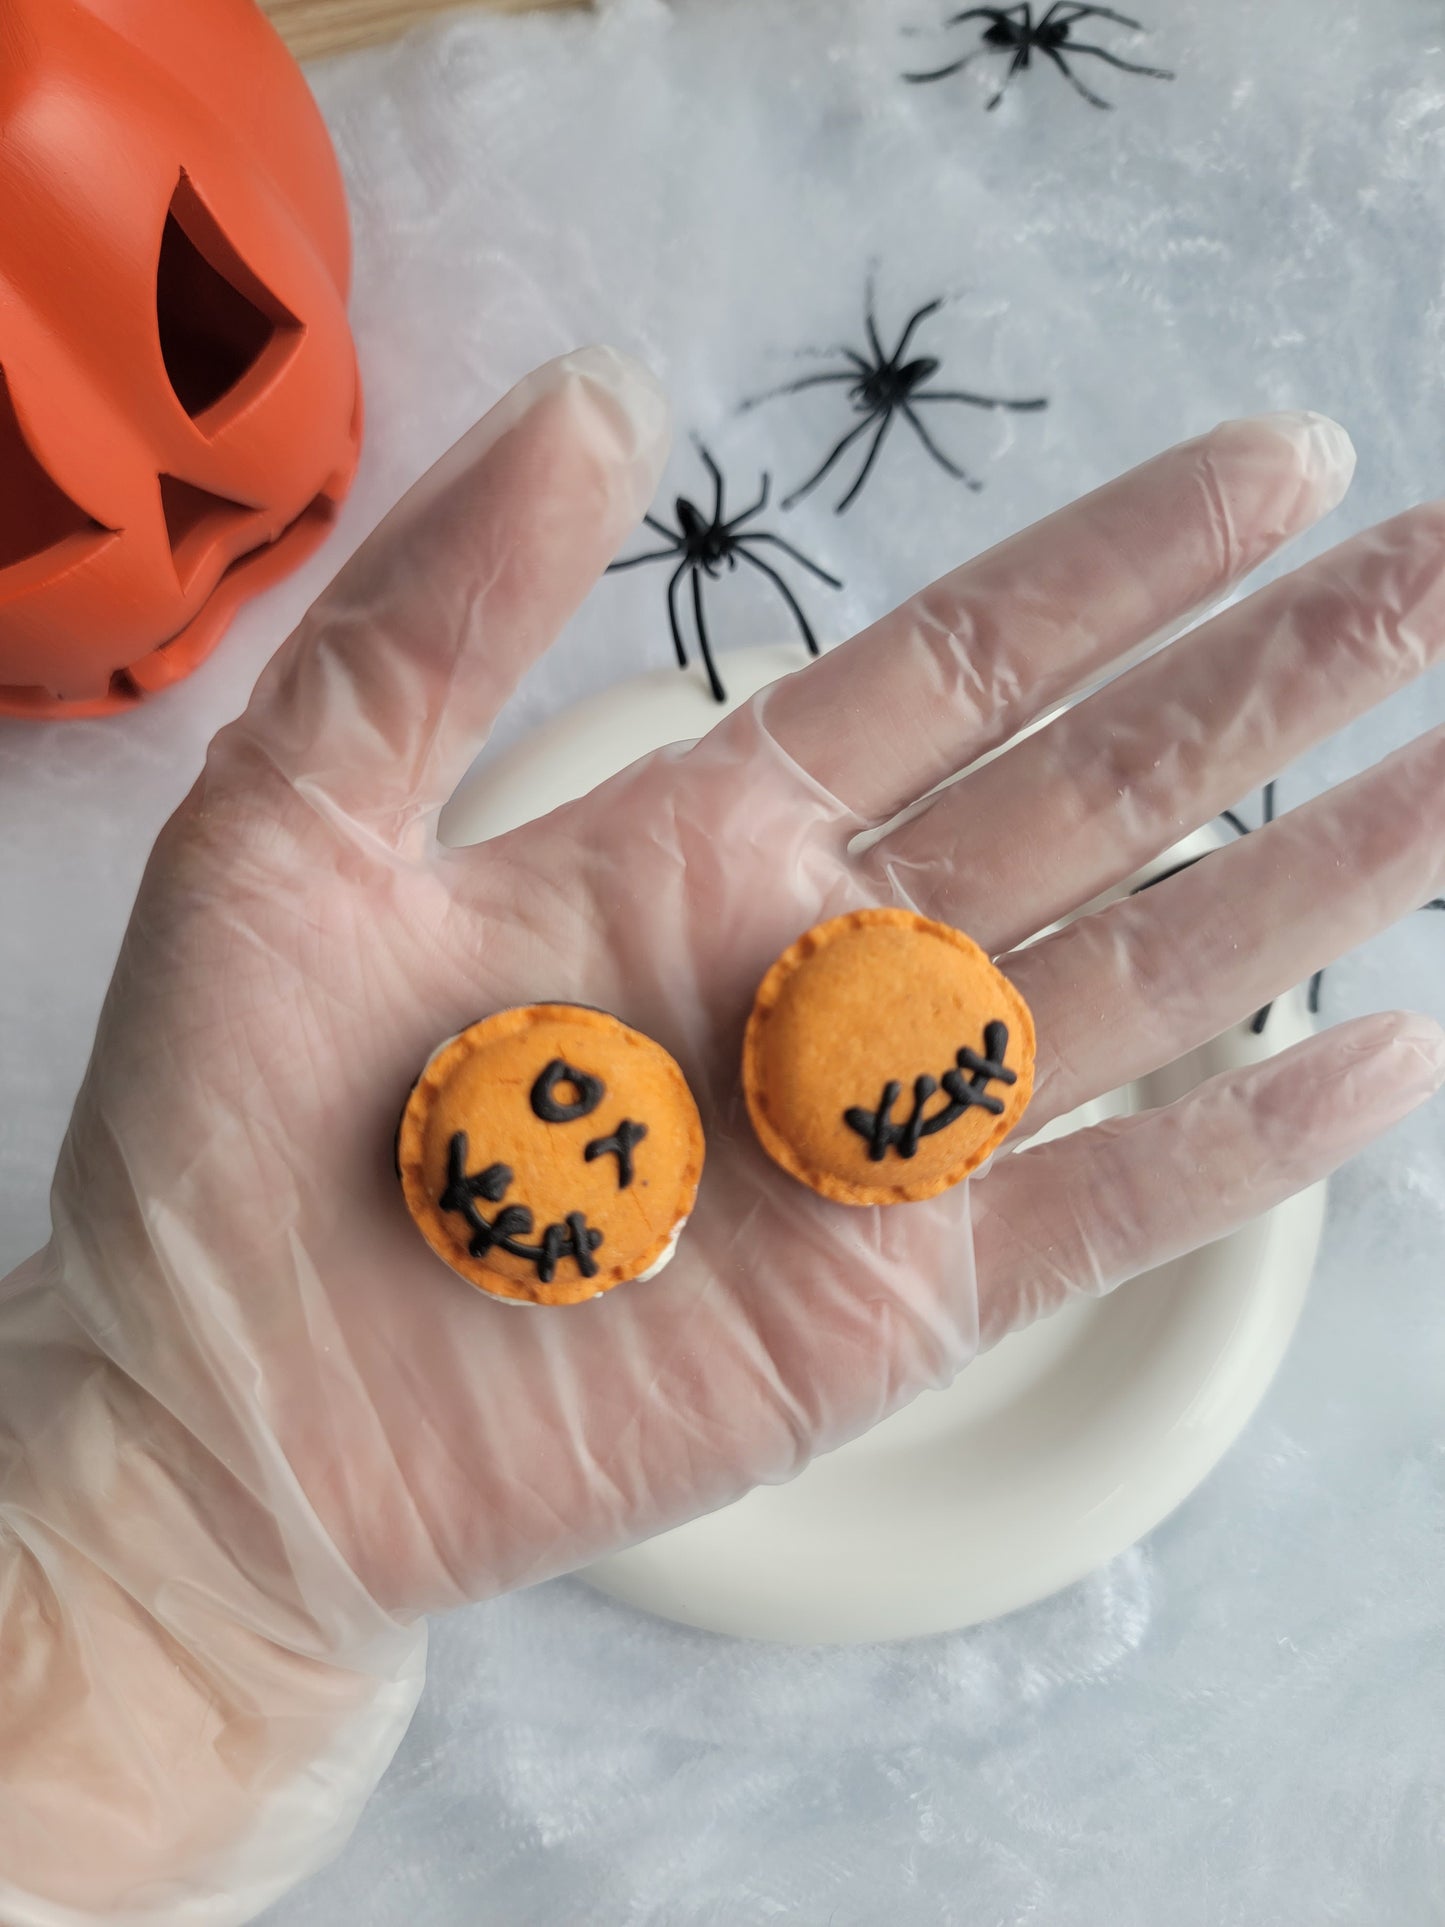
<point x="880" y="389"/>
<point x="1013" y="30"/>
<point x="704" y="545"/>
<point x="1241" y="828"/>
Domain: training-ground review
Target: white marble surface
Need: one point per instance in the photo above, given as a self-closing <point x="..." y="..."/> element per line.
<point x="1242" y="1720"/>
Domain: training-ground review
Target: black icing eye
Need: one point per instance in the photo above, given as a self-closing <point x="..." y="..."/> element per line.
<point x="622" y="1143"/>
<point x="554" y="1109"/>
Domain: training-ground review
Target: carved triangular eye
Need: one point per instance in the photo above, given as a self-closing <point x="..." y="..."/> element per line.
<point x="35" y="513"/>
<point x="216" y="318"/>
<point x="195" y="521"/>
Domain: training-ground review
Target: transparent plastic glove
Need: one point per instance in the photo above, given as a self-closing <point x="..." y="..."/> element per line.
<point x="250" y="1429"/>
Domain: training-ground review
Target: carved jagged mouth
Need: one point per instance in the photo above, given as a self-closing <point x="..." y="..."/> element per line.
<point x="39" y="523"/>
<point x="509" y="1231"/>
<point x="173" y="659"/>
<point x="49" y="693"/>
<point x="202" y="527"/>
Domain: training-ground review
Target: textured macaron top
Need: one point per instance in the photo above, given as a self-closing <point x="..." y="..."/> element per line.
<point x="549" y="1153"/>
<point x="886" y="1058"/>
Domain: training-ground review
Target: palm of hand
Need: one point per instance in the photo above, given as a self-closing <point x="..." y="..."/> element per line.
<point x="300" y="981"/>
<point x="301" y="944"/>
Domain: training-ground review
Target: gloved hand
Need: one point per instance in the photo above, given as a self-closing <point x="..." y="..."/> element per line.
<point x="250" y="1429"/>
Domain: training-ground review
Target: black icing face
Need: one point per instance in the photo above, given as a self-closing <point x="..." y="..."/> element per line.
<point x="550" y="1152"/>
<point x="561" y="1095"/>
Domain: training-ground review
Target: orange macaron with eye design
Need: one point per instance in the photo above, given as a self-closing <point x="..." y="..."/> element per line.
<point x="550" y="1153"/>
<point x="886" y="1057"/>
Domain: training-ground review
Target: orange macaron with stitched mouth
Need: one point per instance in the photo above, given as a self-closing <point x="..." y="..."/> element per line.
<point x="886" y="1058"/>
<point x="550" y="1153"/>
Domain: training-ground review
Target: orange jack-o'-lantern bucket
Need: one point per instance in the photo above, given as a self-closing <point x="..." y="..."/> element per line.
<point x="179" y="403"/>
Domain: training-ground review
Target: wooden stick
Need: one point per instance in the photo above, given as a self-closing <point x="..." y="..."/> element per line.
<point x="314" y="27"/>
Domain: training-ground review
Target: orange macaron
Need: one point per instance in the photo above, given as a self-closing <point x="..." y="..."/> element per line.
<point x="885" y="1058"/>
<point x="549" y="1153"/>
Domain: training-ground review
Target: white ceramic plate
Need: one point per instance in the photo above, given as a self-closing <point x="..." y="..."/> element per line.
<point x="1049" y="1455"/>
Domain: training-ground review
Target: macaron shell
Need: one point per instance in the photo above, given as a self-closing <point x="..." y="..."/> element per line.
<point x="873" y="997"/>
<point x="480" y="1083"/>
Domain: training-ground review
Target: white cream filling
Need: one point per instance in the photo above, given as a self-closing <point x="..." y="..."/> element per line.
<point x="658" y="1265"/>
<point x="667" y="1257"/>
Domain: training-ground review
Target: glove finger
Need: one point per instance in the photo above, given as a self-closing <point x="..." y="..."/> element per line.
<point x="377" y="703"/>
<point x="1137" y="984"/>
<point x="1074" y="808"/>
<point x="1087" y="1211"/>
<point x="967" y="663"/>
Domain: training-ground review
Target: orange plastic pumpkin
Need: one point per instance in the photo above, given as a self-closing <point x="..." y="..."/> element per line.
<point x="179" y="404"/>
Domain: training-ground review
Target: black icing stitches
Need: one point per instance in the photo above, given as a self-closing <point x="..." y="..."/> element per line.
<point x="574" y="1238"/>
<point x="965" y="1087"/>
<point x="622" y="1143"/>
<point x="552" y="1110"/>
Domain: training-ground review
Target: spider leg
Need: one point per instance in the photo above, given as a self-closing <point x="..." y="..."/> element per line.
<point x="995" y="14"/>
<point x="631" y="561"/>
<point x="677" y="641"/>
<point x="868" y="461"/>
<point x="1016" y="66"/>
<point x="797" y="387"/>
<point x="719" y="693"/>
<point x="756" y="509"/>
<point x="788" y="597"/>
<point x="662" y="528"/>
<point x="935" y="451"/>
<point x="717" y="483"/>
<point x="1125" y="66"/>
<point x="848" y="354"/>
<point x="871" y="320"/>
<point x="1236" y="823"/>
<point x="822" y="354"/>
<point x="1078" y="10"/>
<point x="813" y="480"/>
<point x="978" y="401"/>
<point x="1269" y="802"/>
<point x="798" y="556"/>
<point x="1094" y="100"/>
<point x="929" y="307"/>
<point x="1261" y="1018"/>
<point x="1314" y="993"/>
<point x="942" y="73"/>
